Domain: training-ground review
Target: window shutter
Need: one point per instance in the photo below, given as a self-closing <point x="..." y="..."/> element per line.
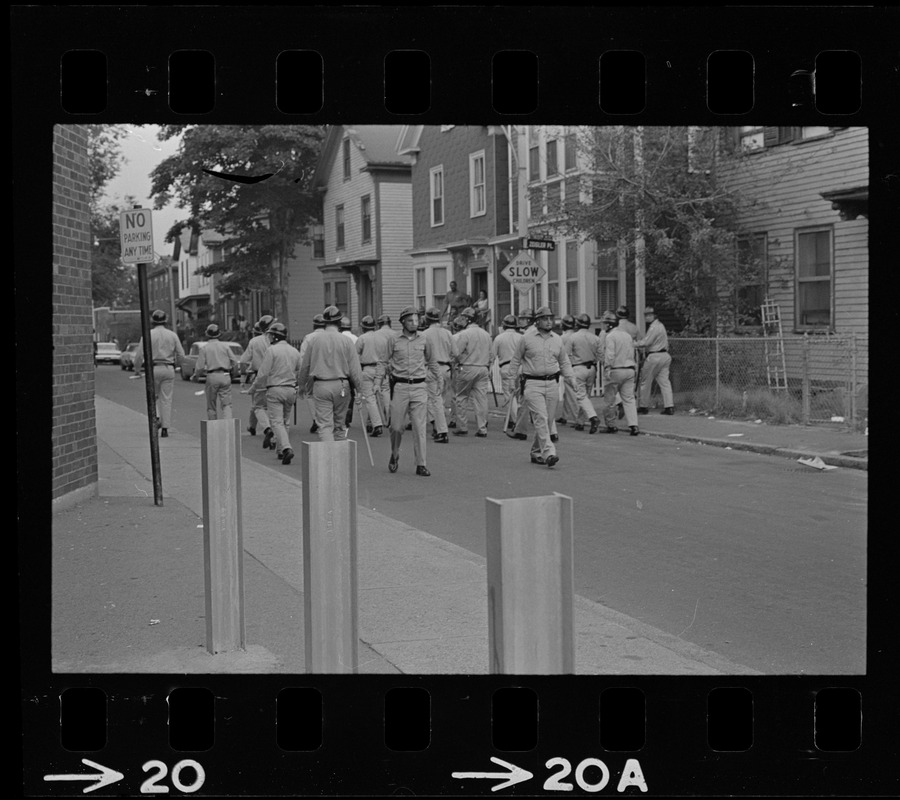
<point x="785" y="134"/>
<point x="770" y="136"/>
<point x="732" y="139"/>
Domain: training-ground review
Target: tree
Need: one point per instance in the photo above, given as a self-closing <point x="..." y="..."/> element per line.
<point x="262" y="201"/>
<point x="657" y="188"/>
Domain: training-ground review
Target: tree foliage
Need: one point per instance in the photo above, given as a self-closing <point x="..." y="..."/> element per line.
<point x="657" y="190"/>
<point x="263" y="220"/>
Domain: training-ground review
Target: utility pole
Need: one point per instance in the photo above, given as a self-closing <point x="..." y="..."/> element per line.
<point x="639" y="251"/>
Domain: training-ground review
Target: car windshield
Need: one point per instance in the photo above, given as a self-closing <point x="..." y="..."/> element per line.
<point x="109" y="348"/>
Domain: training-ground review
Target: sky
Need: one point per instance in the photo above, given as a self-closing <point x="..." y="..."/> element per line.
<point x="142" y="152"/>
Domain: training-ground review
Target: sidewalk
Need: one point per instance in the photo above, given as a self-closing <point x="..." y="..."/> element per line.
<point x="128" y="592"/>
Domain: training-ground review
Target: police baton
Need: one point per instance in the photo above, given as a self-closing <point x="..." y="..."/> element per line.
<point x="493" y="390"/>
<point x="365" y="434"/>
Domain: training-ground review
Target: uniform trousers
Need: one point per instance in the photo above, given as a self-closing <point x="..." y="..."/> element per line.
<point x="621" y="381"/>
<point x="371" y="387"/>
<point x="412" y="399"/>
<point x="656" y="368"/>
<point x="259" y="417"/>
<point x="164" y="380"/>
<point x="584" y="381"/>
<point x="437" y="387"/>
<point x="541" y="398"/>
<point x="508" y="385"/>
<point x="218" y="390"/>
<point x="524" y="421"/>
<point x="331" y="400"/>
<point x="279" y="403"/>
<point x="472" y="384"/>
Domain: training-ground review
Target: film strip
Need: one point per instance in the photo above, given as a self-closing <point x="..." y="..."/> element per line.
<point x="146" y="730"/>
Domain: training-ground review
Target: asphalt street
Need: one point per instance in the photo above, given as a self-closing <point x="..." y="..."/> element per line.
<point x="751" y="556"/>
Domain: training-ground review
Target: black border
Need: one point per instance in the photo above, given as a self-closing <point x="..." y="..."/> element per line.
<point x="460" y="41"/>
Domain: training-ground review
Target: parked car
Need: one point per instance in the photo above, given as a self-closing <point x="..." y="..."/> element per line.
<point x="128" y="354"/>
<point x="190" y="362"/>
<point x="107" y="353"/>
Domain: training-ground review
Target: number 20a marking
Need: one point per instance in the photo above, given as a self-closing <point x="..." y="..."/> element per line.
<point x="631" y="775"/>
<point x="150" y="786"/>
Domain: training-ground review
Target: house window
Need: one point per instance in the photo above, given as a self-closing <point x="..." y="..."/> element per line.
<point x="534" y="164"/>
<point x="318" y="242"/>
<point x="366" y="211"/>
<point x="750" y="295"/>
<point x="346" y="146"/>
<point x="569" y="144"/>
<point x="552" y="161"/>
<point x="813" y="269"/>
<point x="477" y="205"/>
<point x="337" y="293"/>
<point x="554" y="197"/>
<point x="553" y="281"/>
<point x="420" y="288"/>
<point x="607" y="276"/>
<point x="339" y="226"/>
<point x="812" y="131"/>
<point x="439" y="286"/>
<point x="572" y="304"/>
<point x="437" y="195"/>
<point x="751" y="137"/>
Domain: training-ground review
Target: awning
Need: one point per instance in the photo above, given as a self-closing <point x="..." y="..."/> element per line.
<point x="850" y="203"/>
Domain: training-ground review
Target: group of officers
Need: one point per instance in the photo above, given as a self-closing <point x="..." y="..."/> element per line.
<point x="428" y="372"/>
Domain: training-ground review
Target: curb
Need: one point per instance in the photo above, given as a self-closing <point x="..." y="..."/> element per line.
<point x="832" y="459"/>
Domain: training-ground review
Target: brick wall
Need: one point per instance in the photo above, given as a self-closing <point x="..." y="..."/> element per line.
<point x="74" y="437"/>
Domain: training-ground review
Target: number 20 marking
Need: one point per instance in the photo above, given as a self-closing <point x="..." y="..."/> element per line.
<point x="150" y="786"/>
<point x="555" y="783"/>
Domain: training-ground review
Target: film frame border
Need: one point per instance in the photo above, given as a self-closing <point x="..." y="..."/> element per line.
<point x="249" y="38"/>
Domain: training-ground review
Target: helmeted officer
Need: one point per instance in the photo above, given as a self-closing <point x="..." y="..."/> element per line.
<point x="626" y="324"/>
<point x="372" y="350"/>
<point x="471" y="353"/>
<point x="278" y="374"/>
<point x="501" y="350"/>
<point x="167" y="353"/>
<point x="441" y="341"/>
<point x="332" y="363"/>
<point x="542" y="358"/>
<point x="410" y="359"/>
<point x="569" y="405"/>
<point x="217" y="359"/>
<point x="525" y="319"/>
<point x="619" y="368"/>
<point x="384" y="329"/>
<point x="305" y="390"/>
<point x="250" y="361"/>
<point x="656" y="363"/>
<point x="584" y="352"/>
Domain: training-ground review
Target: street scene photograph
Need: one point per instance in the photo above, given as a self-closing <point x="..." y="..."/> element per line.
<point x="460" y="399"/>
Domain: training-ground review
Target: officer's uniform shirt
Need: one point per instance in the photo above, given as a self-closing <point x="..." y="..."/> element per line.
<point x="471" y="347"/>
<point x="215" y="356"/>
<point x="279" y="366"/>
<point x="165" y="347"/>
<point x="656" y="339"/>
<point x="441" y="343"/>
<point x="350" y="335"/>
<point x="630" y="328"/>
<point x="371" y="348"/>
<point x="331" y="356"/>
<point x="411" y="356"/>
<point x="584" y="347"/>
<point x="541" y="354"/>
<point x="503" y="346"/>
<point x="619" y="349"/>
<point x="255" y="351"/>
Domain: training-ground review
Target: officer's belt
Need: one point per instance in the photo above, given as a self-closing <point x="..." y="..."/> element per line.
<point x="585" y="364"/>
<point x="503" y="364"/>
<point x="282" y="385"/>
<point x="553" y="377"/>
<point x="630" y="367"/>
<point x="408" y="380"/>
<point x="218" y="369"/>
<point x="339" y="378"/>
<point x="474" y="365"/>
<point x="369" y="365"/>
<point x="654" y="352"/>
<point x="444" y="363"/>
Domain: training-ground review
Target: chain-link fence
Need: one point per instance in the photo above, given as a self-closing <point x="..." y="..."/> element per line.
<point x="809" y="379"/>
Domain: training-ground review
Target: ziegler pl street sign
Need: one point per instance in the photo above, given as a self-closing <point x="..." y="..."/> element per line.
<point x="539" y="244"/>
<point x="523" y="272"/>
<point x="136" y="234"/>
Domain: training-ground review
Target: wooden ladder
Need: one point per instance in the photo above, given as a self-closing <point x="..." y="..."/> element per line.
<point x="776" y="371"/>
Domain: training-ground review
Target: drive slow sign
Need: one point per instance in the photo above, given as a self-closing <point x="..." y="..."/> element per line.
<point x="136" y="234"/>
<point x="523" y="272"/>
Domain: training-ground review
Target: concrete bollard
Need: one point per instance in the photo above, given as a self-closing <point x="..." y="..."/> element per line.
<point x="223" y="543"/>
<point x="329" y="557"/>
<point x="530" y="585"/>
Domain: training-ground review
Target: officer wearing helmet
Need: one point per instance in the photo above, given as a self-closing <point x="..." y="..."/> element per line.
<point x="250" y="362"/>
<point x="332" y="363"/>
<point x="523" y="419"/>
<point x="569" y="405"/>
<point x="217" y="360"/>
<point x="384" y="329"/>
<point x="501" y="351"/>
<point x="410" y="360"/>
<point x="371" y="348"/>
<point x="278" y="376"/>
<point x="619" y="373"/>
<point x="347" y="330"/>
<point x="441" y="341"/>
<point x="584" y="352"/>
<point x="471" y="354"/>
<point x="167" y="353"/>
<point x="542" y="359"/>
<point x="305" y="390"/>
<point x="656" y="364"/>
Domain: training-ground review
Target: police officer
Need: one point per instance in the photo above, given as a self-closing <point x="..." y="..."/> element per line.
<point x="250" y="360"/>
<point x="167" y="353"/>
<point x="626" y="324"/>
<point x="541" y="357"/>
<point x="305" y="390"/>
<point x="410" y="359"/>
<point x="501" y="351"/>
<point x="441" y="345"/>
<point x="471" y="352"/>
<point x="332" y="362"/>
<point x="619" y="368"/>
<point x="458" y="323"/>
<point x="371" y="348"/>
<point x="584" y="352"/>
<point x="217" y="358"/>
<point x="526" y="325"/>
<point x="384" y="330"/>
<point x="278" y="374"/>
<point x="656" y="364"/>
<point x="570" y="406"/>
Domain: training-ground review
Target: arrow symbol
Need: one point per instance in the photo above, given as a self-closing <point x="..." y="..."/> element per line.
<point x="511" y="778"/>
<point x="105" y="777"/>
